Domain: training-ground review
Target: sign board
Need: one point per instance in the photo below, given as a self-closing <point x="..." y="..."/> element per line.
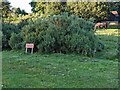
<point x="31" y="46"/>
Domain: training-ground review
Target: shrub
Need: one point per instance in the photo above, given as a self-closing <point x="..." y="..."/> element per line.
<point x="32" y="32"/>
<point x="47" y="45"/>
<point x="7" y="30"/>
<point x="8" y="27"/>
<point x="5" y="42"/>
<point x="62" y="33"/>
<point x="16" y="41"/>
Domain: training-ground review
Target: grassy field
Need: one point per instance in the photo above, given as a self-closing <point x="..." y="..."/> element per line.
<point x="63" y="70"/>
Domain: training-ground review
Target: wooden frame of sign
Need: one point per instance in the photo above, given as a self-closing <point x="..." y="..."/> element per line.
<point x="31" y="46"/>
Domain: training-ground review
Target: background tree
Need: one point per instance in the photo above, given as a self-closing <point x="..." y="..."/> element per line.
<point x="114" y="6"/>
<point x="33" y="4"/>
<point x="6" y="12"/>
<point x="23" y="12"/>
<point x="47" y="8"/>
<point x="17" y="11"/>
<point x="97" y="10"/>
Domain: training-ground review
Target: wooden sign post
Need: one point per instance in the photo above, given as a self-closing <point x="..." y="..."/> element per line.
<point x="31" y="46"/>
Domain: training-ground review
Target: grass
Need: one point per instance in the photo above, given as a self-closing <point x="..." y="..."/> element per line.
<point x="63" y="70"/>
<point x="109" y="38"/>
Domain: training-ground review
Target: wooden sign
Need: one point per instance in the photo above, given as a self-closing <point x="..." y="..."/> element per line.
<point x="31" y="46"/>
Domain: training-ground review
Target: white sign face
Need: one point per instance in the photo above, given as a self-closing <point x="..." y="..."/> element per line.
<point x="31" y="45"/>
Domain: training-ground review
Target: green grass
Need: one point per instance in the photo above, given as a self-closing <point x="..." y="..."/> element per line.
<point x="63" y="70"/>
<point x="109" y="38"/>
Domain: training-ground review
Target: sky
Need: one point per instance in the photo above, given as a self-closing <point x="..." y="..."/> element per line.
<point x="22" y="4"/>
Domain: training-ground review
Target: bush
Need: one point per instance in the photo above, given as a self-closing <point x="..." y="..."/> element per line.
<point x="7" y="30"/>
<point x="16" y="41"/>
<point x="62" y="33"/>
<point x="8" y="27"/>
<point x="33" y="30"/>
<point x="5" y="44"/>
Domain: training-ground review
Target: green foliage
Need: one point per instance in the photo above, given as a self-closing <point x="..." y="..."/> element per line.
<point x="10" y="13"/>
<point x="115" y="6"/>
<point x="12" y="21"/>
<point x="62" y="33"/>
<point x="33" y="4"/>
<point x="7" y="29"/>
<point x="87" y="10"/>
<point x="14" y="25"/>
<point x="15" y="41"/>
<point x="6" y="12"/>
<point x="48" y="8"/>
<point x="97" y="10"/>
<point x="5" y="44"/>
<point x="10" y="26"/>
<point x="17" y="11"/>
<point x="32" y="31"/>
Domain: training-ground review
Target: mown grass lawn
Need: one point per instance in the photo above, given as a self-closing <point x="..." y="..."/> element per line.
<point x="63" y="70"/>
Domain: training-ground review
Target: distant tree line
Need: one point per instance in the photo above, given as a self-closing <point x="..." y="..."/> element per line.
<point x="86" y="10"/>
<point x="8" y="11"/>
